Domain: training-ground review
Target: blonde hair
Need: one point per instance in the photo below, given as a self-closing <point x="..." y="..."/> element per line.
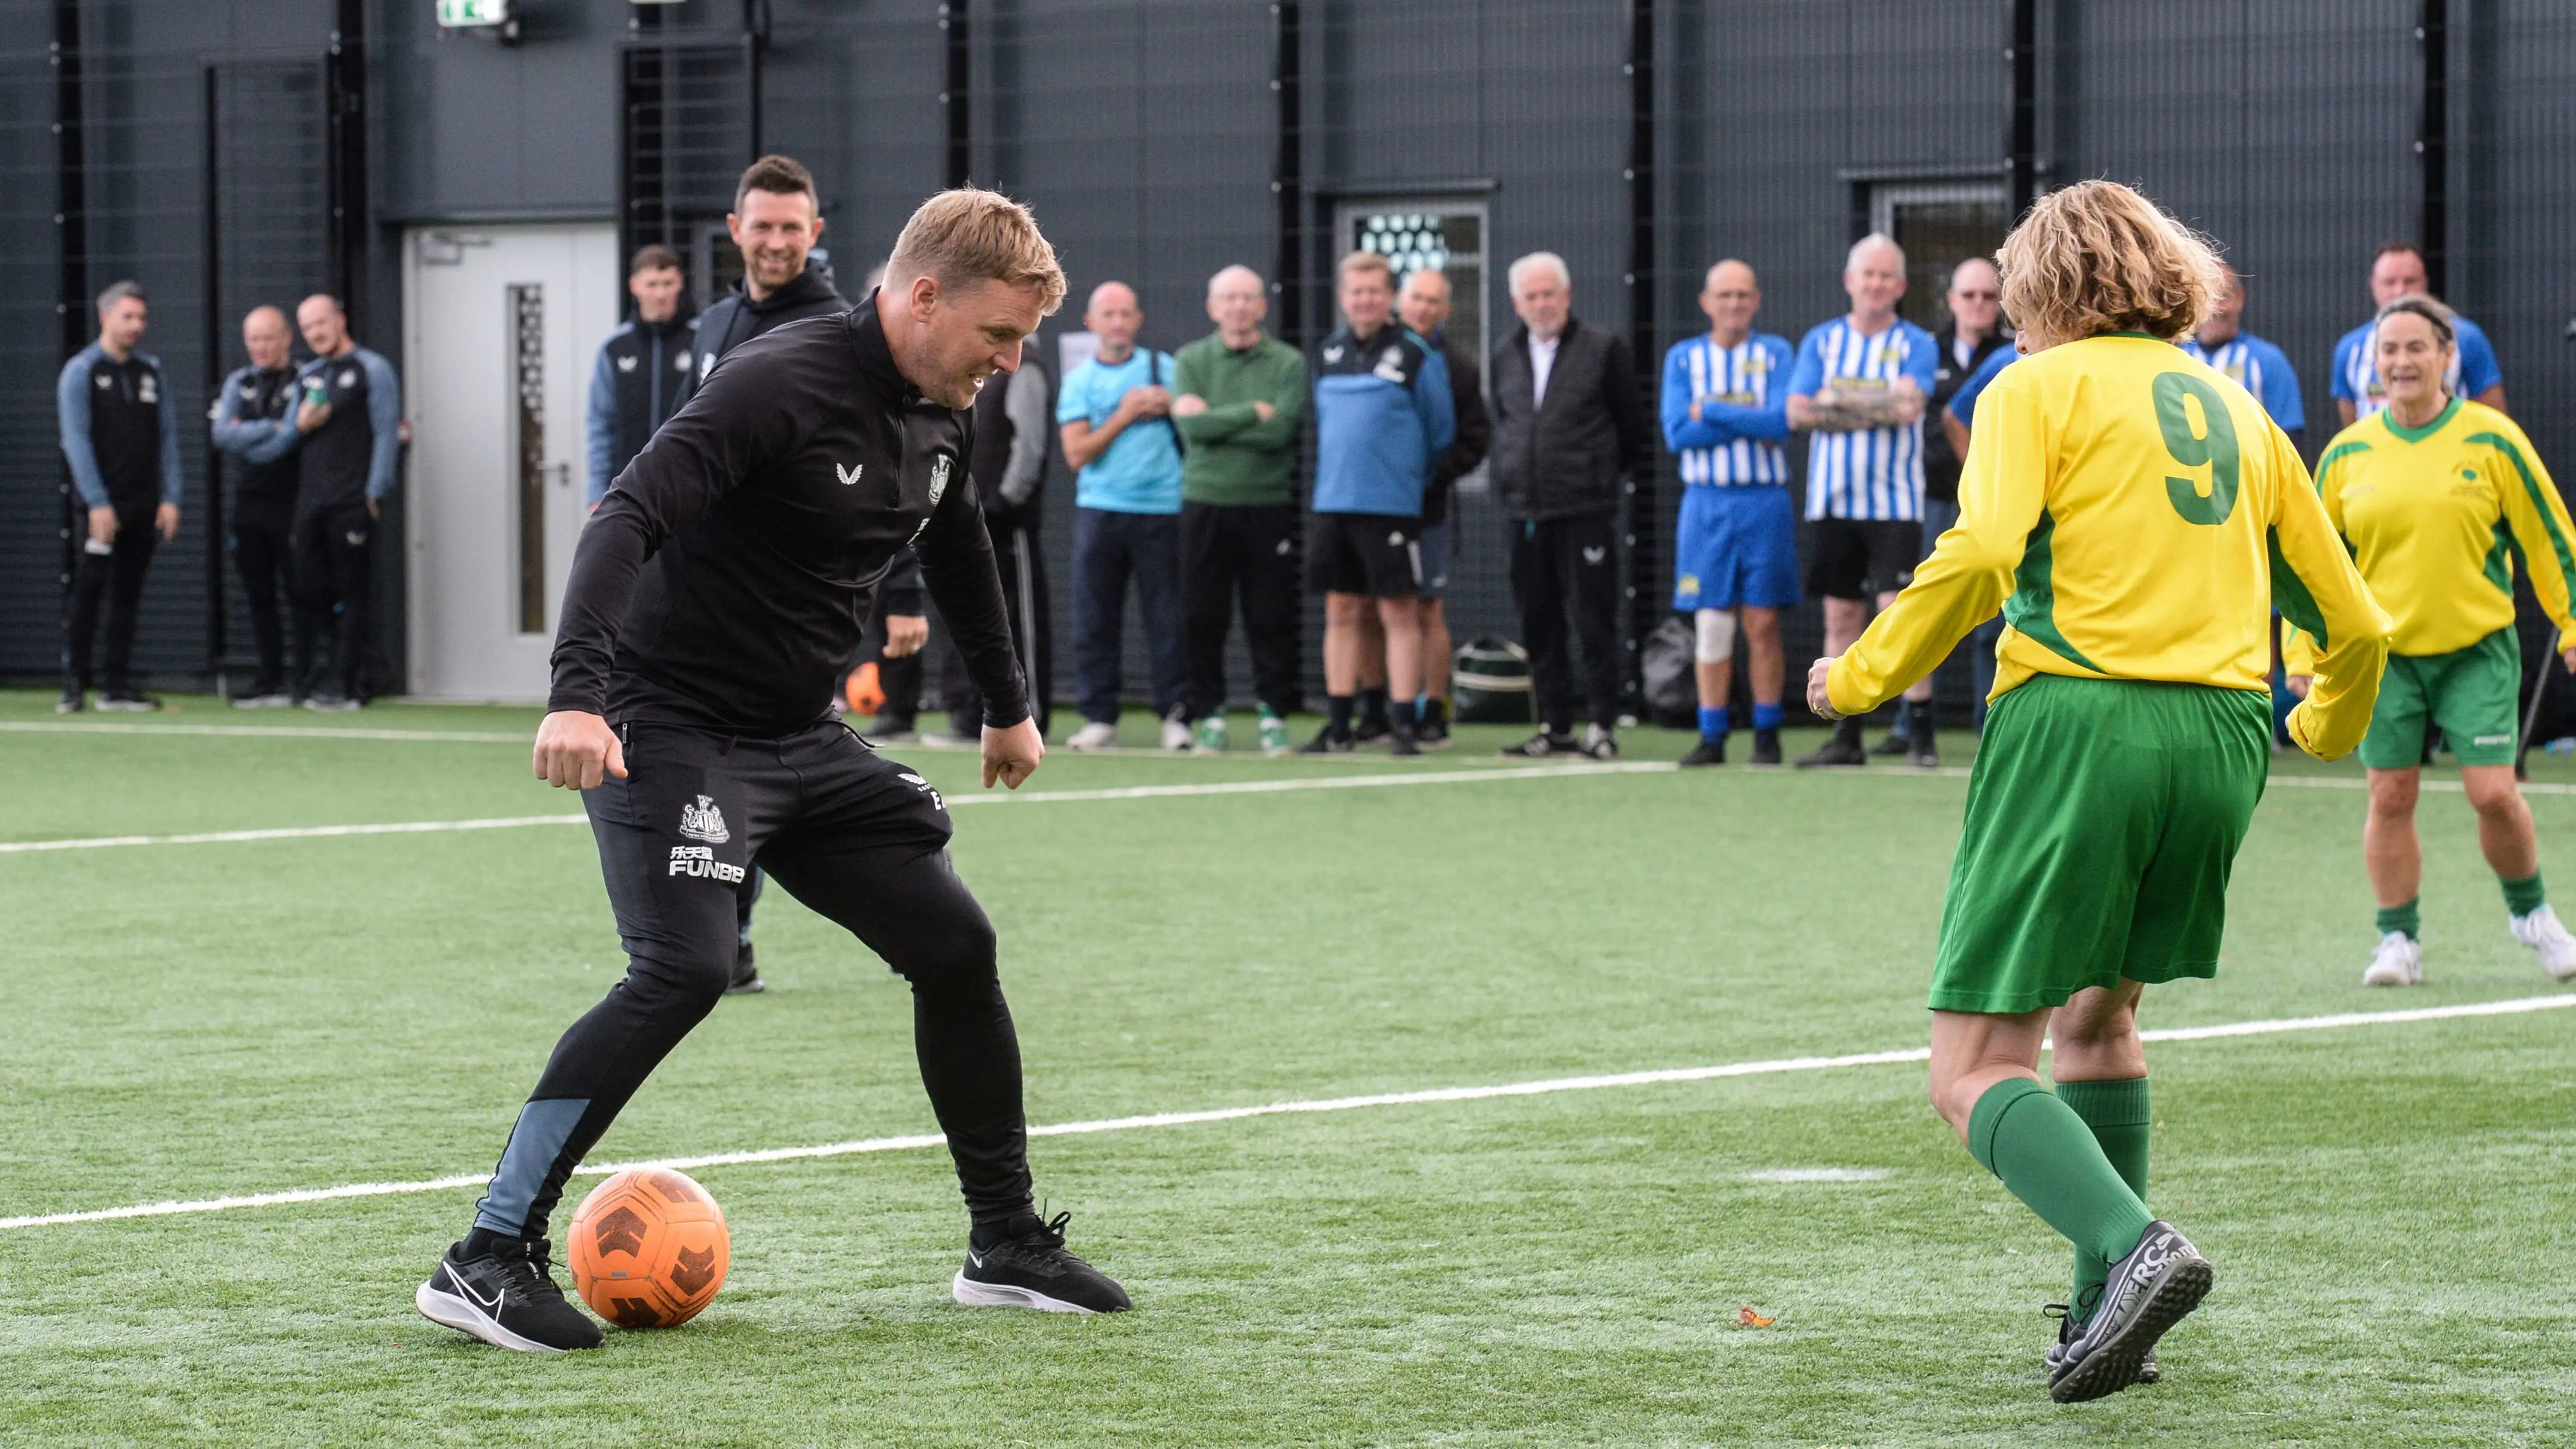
<point x="1366" y="261"/>
<point x="2098" y="257"/>
<point x="971" y="235"/>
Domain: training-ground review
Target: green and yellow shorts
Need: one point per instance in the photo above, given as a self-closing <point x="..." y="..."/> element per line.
<point x="2473" y="694"/>
<point x="2103" y="818"/>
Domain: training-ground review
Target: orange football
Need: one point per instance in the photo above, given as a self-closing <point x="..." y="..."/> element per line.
<point x="648" y="1248"/>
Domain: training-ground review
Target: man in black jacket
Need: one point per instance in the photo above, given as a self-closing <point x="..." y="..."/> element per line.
<point x="1568" y="425"/>
<point x="643" y="368"/>
<point x="251" y="421"/>
<point x="1014" y="427"/>
<point x="714" y="598"/>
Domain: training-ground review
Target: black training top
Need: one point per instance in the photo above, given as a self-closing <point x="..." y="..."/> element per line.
<point x="724" y="582"/>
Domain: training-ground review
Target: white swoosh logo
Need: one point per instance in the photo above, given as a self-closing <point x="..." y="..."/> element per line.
<point x="492" y="1306"/>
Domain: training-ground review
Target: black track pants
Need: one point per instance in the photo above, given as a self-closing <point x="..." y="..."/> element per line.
<point x="110" y="575"/>
<point x="1562" y="566"/>
<point x="260" y="546"/>
<point x="1247" y="551"/>
<point x="857" y="837"/>
<point x="333" y="575"/>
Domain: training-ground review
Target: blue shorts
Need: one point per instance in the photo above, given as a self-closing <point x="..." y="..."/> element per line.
<point x="1734" y="547"/>
<point x="1434" y="543"/>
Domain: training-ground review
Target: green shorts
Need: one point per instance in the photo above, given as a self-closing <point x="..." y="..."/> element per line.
<point x="2473" y="694"/>
<point x="2103" y="817"/>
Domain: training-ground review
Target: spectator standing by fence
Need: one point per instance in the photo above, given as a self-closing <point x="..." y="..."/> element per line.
<point x="1240" y="395"/>
<point x="350" y="414"/>
<point x="1009" y="468"/>
<point x="1735" y="545"/>
<point x="1424" y="304"/>
<point x="1568" y="426"/>
<point x="252" y="422"/>
<point x="2398" y="271"/>
<point x="1859" y="386"/>
<point x="643" y="368"/>
<point x="1115" y="416"/>
<point x="1382" y="419"/>
<point x="120" y="435"/>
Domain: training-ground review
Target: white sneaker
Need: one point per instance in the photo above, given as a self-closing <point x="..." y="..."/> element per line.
<point x="1176" y="736"/>
<point x="2548" y="939"/>
<point x="1097" y="735"/>
<point x="2399" y="961"/>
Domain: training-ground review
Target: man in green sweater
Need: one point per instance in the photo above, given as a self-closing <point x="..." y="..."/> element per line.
<point x="1236" y="399"/>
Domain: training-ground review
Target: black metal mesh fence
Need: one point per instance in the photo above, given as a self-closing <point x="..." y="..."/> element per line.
<point x="1162" y="139"/>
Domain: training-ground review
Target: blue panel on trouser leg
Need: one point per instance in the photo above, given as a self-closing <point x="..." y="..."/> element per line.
<point x="538" y="1139"/>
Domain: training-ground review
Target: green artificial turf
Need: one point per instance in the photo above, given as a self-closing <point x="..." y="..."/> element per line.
<point x="2386" y="1205"/>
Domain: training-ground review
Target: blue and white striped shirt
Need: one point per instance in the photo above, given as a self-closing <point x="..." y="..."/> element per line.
<point x="1744" y="410"/>
<point x="2261" y="369"/>
<point x="1875" y="473"/>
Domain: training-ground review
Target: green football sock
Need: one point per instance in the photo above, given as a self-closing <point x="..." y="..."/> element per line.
<point x="2524" y="896"/>
<point x="2046" y="1155"/>
<point x="2411" y="920"/>
<point x="2117" y="1113"/>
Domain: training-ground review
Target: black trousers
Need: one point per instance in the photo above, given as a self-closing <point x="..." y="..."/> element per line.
<point x="110" y="575"/>
<point x="261" y="544"/>
<point x="1024" y="592"/>
<point x="855" y="836"/>
<point x="1564" y="566"/>
<point x="333" y="574"/>
<point x="1245" y="551"/>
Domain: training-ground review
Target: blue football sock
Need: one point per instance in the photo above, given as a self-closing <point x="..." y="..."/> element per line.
<point x="1766" y="716"/>
<point x="1712" y="722"/>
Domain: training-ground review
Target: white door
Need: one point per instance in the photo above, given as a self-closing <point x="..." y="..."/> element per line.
<point x="504" y="325"/>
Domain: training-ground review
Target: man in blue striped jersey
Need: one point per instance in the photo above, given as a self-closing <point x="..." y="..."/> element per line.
<point x="1725" y="414"/>
<point x="2398" y="271"/>
<point x="1859" y="387"/>
<point x="2259" y="367"/>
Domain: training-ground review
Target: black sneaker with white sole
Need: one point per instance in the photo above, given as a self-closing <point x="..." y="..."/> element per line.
<point x="746" y="974"/>
<point x="1545" y="745"/>
<point x="2068" y="1329"/>
<point x="2163" y="1278"/>
<point x="1029" y="1268"/>
<point x="507" y="1298"/>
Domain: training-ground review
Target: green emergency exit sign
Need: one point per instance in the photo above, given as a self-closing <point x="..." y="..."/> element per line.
<point x="473" y="12"/>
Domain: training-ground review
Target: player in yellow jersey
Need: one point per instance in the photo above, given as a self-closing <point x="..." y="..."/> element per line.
<point x="2136" y="515"/>
<point x="2434" y="494"/>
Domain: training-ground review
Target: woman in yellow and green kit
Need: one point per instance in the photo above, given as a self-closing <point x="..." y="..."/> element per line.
<point x="2435" y="494"/>
<point x="2137" y="516"/>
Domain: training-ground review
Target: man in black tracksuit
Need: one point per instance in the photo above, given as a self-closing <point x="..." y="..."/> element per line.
<point x="643" y="369"/>
<point x="1013" y="430"/>
<point x="349" y="410"/>
<point x="1568" y="425"/>
<point x="713" y="600"/>
<point x="253" y="420"/>
<point x="120" y="437"/>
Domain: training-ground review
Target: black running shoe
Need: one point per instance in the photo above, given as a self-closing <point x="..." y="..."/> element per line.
<point x="1924" y="756"/>
<point x="1434" y="734"/>
<point x="2068" y="1329"/>
<point x="74" y="700"/>
<point x="1370" y="731"/>
<point x="1834" y="753"/>
<point x="1890" y="747"/>
<point x="1706" y="752"/>
<point x="1543" y="746"/>
<point x="1326" y="742"/>
<point x="130" y="700"/>
<point x="507" y="1298"/>
<point x="2149" y="1291"/>
<point x="1766" y="747"/>
<point x="1031" y="1269"/>
<point x="746" y="974"/>
<point x="1402" y="741"/>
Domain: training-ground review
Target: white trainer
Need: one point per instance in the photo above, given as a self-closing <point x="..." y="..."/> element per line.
<point x="2399" y="961"/>
<point x="1097" y="735"/>
<point x="1176" y="736"/>
<point x="2548" y="939"/>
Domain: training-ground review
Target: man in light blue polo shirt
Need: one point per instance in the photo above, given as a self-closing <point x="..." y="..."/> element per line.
<point x="1115" y="418"/>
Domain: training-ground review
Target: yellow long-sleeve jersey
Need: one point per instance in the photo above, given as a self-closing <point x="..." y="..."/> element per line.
<point x="2431" y="514"/>
<point x="2137" y="515"/>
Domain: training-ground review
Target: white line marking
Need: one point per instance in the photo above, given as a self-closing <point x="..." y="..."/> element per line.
<point x="1816" y="1174"/>
<point x="287" y="732"/>
<point x="1038" y="797"/>
<point x="1544" y="1087"/>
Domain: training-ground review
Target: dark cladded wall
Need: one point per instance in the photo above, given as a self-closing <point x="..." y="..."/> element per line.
<point x="1144" y="132"/>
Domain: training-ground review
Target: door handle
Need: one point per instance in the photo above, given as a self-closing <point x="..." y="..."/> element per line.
<point x="563" y="475"/>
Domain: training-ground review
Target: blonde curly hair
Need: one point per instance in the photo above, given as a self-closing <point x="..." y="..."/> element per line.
<point x="2097" y="257"/>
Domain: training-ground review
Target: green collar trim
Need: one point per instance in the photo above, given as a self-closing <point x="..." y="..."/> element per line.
<point x="2416" y="435"/>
